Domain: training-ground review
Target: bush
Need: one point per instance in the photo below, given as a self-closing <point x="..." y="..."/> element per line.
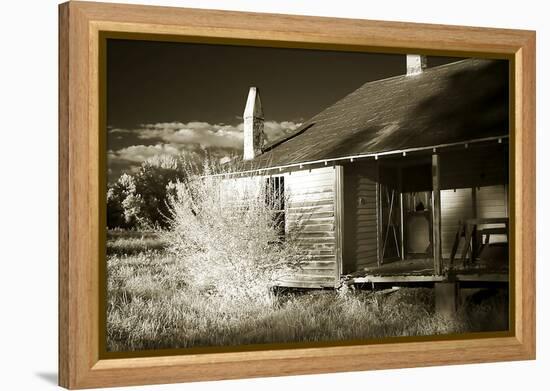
<point x="122" y="203"/>
<point x="139" y="200"/>
<point x="227" y="235"/>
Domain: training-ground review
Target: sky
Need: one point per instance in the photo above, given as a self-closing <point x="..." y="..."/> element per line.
<point x="167" y="98"/>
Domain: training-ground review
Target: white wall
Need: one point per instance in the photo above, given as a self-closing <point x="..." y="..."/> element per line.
<point x="28" y="88"/>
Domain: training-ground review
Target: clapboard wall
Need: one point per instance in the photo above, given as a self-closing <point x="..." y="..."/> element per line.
<point x="309" y="218"/>
<point x="492" y="201"/>
<point x="310" y="215"/>
<point x="456" y="205"/>
<point x="360" y="216"/>
<point x="474" y="181"/>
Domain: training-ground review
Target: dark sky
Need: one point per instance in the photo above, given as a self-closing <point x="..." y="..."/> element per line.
<point x="171" y="98"/>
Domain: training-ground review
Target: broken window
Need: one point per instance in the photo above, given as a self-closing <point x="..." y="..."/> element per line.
<point x="275" y="200"/>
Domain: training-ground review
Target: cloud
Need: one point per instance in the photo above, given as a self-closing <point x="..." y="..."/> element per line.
<point x="118" y="130"/>
<point x="276" y="130"/>
<point x="202" y="135"/>
<point x="192" y="139"/>
<point x="140" y="153"/>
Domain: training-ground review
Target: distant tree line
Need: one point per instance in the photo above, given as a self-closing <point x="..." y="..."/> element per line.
<point x="138" y="201"/>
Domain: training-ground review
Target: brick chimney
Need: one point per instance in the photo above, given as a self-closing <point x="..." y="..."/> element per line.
<point x="416" y="63"/>
<point x="253" y="125"/>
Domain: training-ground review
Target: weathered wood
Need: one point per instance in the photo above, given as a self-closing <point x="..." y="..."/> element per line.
<point x="438" y="265"/>
<point x="402" y="226"/>
<point x="483" y="277"/>
<point x="339" y="218"/>
<point x="474" y="202"/>
<point x="310" y="216"/>
<point x="456" y="205"/>
<point x="309" y="204"/>
<point x="458" y="237"/>
<point x="360" y="210"/>
<point x="446" y="298"/>
<point x="379" y="227"/>
<point x="397" y="279"/>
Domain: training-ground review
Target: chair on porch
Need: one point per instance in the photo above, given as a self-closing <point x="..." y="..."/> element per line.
<point x="476" y="237"/>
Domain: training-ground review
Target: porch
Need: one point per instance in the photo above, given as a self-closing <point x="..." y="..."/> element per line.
<point x="427" y="217"/>
<point x="422" y="270"/>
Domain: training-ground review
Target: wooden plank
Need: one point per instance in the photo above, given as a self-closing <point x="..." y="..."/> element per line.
<point x="310" y="215"/>
<point x="438" y="260"/>
<point x="310" y="211"/>
<point x="456" y="205"/>
<point x="314" y="272"/>
<point x="446" y="298"/>
<point x="360" y="212"/>
<point x="485" y="277"/>
<point x="318" y="227"/>
<point x="397" y="278"/>
<point x="401" y="215"/>
<point x="299" y="204"/>
<point x="317" y="234"/>
<point x="323" y="279"/>
<point x="299" y="284"/>
<point x="379" y="228"/>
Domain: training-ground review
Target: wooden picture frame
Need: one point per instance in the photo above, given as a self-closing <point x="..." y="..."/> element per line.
<point x="80" y="186"/>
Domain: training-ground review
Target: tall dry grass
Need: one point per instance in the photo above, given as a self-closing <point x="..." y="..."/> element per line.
<point x="151" y="305"/>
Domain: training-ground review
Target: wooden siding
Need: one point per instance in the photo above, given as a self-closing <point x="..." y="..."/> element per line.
<point x="474" y="180"/>
<point x="492" y="201"/>
<point x="310" y="212"/>
<point x="360" y="216"/>
<point x="310" y="215"/>
<point x="461" y="204"/>
<point x="455" y="205"/>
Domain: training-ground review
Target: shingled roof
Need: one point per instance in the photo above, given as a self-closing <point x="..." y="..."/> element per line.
<point x="458" y="102"/>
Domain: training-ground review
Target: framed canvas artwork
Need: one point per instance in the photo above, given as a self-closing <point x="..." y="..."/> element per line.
<point x="247" y="195"/>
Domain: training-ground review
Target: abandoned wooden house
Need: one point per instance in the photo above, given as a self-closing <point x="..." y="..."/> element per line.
<point x="403" y="180"/>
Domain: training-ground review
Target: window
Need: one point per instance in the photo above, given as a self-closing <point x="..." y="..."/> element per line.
<point x="275" y="200"/>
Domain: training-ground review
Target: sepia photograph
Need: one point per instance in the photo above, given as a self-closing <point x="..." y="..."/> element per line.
<point x="268" y="196"/>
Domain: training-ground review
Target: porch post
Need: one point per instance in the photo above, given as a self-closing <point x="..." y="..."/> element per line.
<point x="436" y="210"/>
<point x="401" y="214"/>
<point x="339" y="220"/>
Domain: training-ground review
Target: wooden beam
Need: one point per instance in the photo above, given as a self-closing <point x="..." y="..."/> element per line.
<point x="402" y="278"/>
<point x="402" y="214"/>
<point x="436" y="210"/>
<point x="339" y="219"/>
<point x="474" y="202"/>
<point x="397" y="279"/>
<point x="375" y="155"/>
<point x="446" y="298"/>
<point x="484" y="277"/>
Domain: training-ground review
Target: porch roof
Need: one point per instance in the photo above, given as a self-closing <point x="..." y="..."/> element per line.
<point x="458" y="102"/>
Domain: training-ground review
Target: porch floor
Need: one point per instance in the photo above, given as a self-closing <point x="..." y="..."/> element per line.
<point x="422" y="270"/>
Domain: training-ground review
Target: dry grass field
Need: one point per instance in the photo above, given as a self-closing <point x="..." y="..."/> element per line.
<point x="151" y="305"/>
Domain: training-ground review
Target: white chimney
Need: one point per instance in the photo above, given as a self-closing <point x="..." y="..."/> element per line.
<point x="416" y="63"/>
<point x="253" y="125"/>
